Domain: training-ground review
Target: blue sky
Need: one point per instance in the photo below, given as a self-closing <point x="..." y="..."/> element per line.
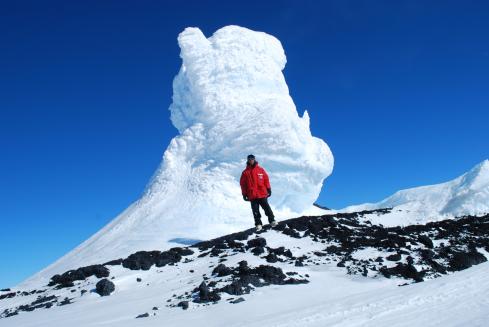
<point x="398" y="89"/>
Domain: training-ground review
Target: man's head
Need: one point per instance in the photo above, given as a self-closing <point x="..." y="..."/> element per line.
<point x="251" y="159"/>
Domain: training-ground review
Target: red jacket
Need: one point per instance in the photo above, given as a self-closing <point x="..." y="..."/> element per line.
<point x="254" y="182"/>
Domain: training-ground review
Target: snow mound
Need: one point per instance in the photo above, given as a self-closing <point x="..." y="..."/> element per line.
<point x="467" y="194"/>
<point x="230" y="99"/>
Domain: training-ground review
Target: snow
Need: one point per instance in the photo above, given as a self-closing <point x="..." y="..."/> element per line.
<point x="332" y="298"/>
<point x="230" y="99"/>
<point x="467" y="194"/>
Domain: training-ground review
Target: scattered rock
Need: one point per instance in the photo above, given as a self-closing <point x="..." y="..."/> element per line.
<point x="464" y="260"/>
<point x="144" y="315"/>
<point x="257" y="242"/>
<point x="426" y="241"/>
<point x="7" y="296"/>
<point x="206" y="295"/>
<point x="222" y="270"/>
<point x="104" y="287"/>
<point x="143" y="260"/>
<point x="258" y="250"/>
<point x="116" y="262"/>
<point x="65" y="301"/>
<point x="407" y="271"/>
<point x="183" y="305"/>
<point x="271" y="257"/>
<point x="394" y="257"/>
<point x="238" y="300"/>
<point x="43" y="299"/>
<point x="66" y="279"/>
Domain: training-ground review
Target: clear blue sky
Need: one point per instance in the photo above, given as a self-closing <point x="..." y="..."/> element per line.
<point x="398" y="89"/>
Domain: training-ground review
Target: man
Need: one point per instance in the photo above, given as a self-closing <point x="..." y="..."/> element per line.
<point x="255" y="187"/>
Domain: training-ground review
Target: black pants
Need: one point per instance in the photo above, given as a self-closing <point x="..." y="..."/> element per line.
<point x="255" y="207"/>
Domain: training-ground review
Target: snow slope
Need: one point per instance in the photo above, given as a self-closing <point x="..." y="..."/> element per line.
<point x="230" y="99"/>
<point x="331" y="298"/>
<point x="467" y="194"/>
<point x="456" y="300"/>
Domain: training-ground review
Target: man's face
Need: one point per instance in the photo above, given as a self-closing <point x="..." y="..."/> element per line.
<point x="251" y="161"/>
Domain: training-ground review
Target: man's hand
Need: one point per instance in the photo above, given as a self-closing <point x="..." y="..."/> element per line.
<point x="269" y="191"/>
<point x="245" y="198"/>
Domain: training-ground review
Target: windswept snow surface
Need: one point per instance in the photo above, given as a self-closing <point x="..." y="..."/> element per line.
<point x="467" y="194"/>
<point x="230" y="99"/>
<point x="332" y="298"/>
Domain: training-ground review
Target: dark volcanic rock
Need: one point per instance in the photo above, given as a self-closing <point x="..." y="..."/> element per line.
<point x="65" y="301"/>
<point x="426" y="241"/>
<point x="394" y="257"/>
<point x="258" y="250"/>
<point x="240" y="280"/>
<point x="183" y="305"/>
<point x="291" y="232"/>
<point x="403" y="270"/>
<point x="464" y="235"/>
<point x="116" y="262"/>
<point x="7" y="296"/>
<point x="104" y="287"/>
<point x="271" y="257"/>
<point x="238" y="300"/>
<point x="206" y="295"/>
<point x="144" y="315"/>
<point x="255" y="242"/>
<point x="259" y="276"/>
<point x="143" y="260"/>
<point x="66" y="279"/>
<point x="461" y="260"/>
<point x="222" y="270"/>
<point x="281" y="251"/>
<point x="40" y="302"/>
<point x="43" y="299"/>
<point x="236" y="287"/>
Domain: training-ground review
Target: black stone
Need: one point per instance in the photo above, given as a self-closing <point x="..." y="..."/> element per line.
<point x="183" y="305"/>
<point x="66" y="279"/>
<point x="461" y="260"/>
<point x="206" y="295"/>
<point x="238" y="300"/>
<point x="426" y="241"/>
<point x="104" y="287"/>
<point x="222" y="270"/>
<point x="144" y="315"/>
<point x="394" y="257"/>
<point x="65" y="301"/>
<point x="255" y="242"/>
<point x="258" y="250"/>
<point x="271" y="257"/>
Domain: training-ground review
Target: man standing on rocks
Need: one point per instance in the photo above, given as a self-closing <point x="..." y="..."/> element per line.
<point x="255" y="187"/>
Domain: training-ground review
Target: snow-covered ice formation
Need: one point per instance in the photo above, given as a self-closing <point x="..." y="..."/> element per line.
<point x="230" y="99"/>
<point x="467" y="194"/>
